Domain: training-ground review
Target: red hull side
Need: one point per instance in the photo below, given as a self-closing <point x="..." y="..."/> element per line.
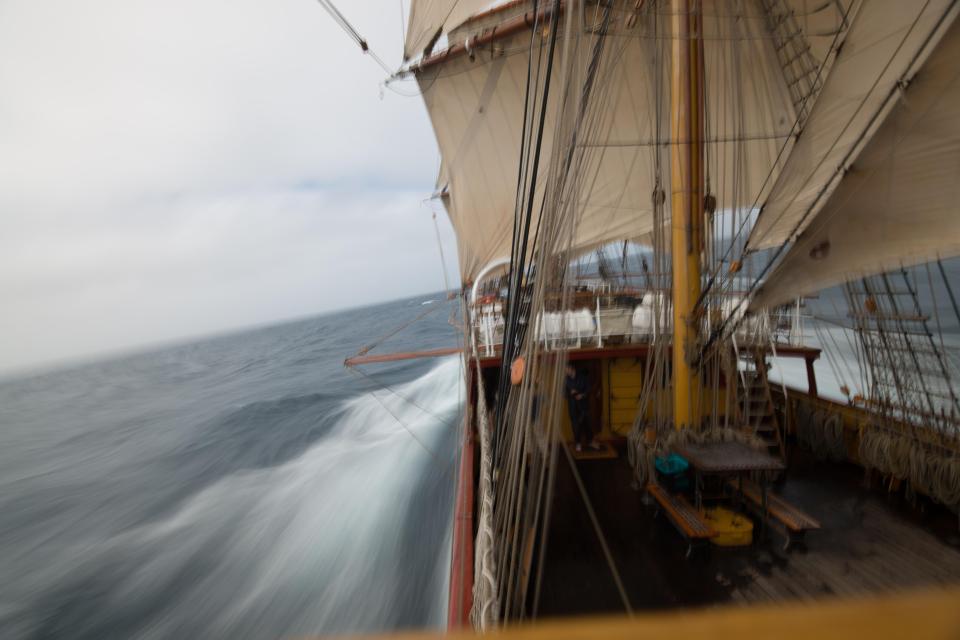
<point x="460" y="598"/>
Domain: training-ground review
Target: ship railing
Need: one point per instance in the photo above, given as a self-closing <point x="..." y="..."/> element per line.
<point x="580" y="328"/>
<point x="612" y="321"/>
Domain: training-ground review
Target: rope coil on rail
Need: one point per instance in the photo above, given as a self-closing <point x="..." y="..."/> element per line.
<point x="485" y="612"/>
<point x="928" y="471"/>
<point x="822" y="432"/>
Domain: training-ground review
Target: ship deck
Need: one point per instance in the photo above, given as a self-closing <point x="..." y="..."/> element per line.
<point x="870" y="543"/>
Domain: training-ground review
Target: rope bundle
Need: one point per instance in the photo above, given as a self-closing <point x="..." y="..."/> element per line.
<point x="821" y="432"/>
<point x="486" y="611"/>
<point x="931" y="472"/>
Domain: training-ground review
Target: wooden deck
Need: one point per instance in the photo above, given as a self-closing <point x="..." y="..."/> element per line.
<point x="880" y="552"/>
<point x="869" y="543"/>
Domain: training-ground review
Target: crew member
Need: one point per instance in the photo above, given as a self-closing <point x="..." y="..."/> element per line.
<point x="577" y="388"/>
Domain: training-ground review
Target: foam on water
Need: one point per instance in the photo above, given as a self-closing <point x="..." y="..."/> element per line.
<point x="351" y="535"/>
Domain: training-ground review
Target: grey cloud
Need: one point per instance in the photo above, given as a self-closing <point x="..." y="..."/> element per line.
<point x="156" y="164"/>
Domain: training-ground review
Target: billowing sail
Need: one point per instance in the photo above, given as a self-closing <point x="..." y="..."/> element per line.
<point x="899" y="204"/>
<point x="882" y="45"/>
<point x="476" y="104"/>
<point x="429" y="19"/>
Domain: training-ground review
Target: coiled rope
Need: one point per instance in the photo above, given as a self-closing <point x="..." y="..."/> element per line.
<point x="486" y="611"/>
<point x="932" y="471"/>
<point x="822" y="433"/>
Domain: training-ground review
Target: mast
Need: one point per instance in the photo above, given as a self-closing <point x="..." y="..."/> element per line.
<point x="686" y="155"/>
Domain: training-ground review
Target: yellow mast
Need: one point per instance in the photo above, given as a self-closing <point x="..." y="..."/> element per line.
<point x="686" y="155"/>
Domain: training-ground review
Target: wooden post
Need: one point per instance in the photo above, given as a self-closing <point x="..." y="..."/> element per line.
<point x="811" y="377"/>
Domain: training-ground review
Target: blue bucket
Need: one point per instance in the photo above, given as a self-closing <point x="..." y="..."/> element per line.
<point x="673" y="472"/>
<point x="671" y="465"/>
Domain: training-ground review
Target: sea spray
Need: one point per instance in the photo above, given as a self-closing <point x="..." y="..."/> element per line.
<point x="352" y="535"/>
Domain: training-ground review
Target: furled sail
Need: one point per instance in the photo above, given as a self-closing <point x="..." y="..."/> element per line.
<point x="898" y="205"/>
<point x="429" y="19"/>
<point x="476" y="104"/>
<point x="882" y="44"/>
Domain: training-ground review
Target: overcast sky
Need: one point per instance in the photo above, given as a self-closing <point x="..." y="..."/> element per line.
<point x="176" y="168"/>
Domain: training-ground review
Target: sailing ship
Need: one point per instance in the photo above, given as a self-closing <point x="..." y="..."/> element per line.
<point x="656" y="192"/>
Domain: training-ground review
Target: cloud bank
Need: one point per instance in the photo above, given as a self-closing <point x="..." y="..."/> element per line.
<point x="178" y="168"/>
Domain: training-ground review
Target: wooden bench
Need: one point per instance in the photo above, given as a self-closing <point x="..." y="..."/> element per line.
<point x="683" y="515"/>
<point x="787" y="518"/>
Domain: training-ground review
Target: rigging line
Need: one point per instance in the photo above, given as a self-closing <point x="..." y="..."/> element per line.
<point x="894" y="91"/>
<point x="524" y="157"/>
<point x="381" y="385"/>
<point x="599" y="531"/>
<point x="406" y="428"/>
<point x="443" y="262"/>
<point x="522" y="167"/>
<point x="367" y="348"/>
<point x="352" y="33"/>
<point x="936" y="307"/>
<point x="899" y="85"/>
<point x="830" y="321"/>
<point x="946" y="282"/>
<point x="585" y="95"/>
<point x="793" y="128"/>
<point x="513" y="299"/>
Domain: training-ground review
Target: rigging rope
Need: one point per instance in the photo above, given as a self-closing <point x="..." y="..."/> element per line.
<point x="344" y="24"/>
<point x="364" y="350"/>
<point x="403" y="424"/>
<point x="518" y="260"/>
<point x="602" y="539"/>
<point x="897" y="89"/>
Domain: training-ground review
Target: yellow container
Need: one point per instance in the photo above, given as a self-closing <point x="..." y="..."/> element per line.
<point x="733" y="529"/>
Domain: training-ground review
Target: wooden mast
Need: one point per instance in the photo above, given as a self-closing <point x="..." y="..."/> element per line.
<point x="686" y="155"/>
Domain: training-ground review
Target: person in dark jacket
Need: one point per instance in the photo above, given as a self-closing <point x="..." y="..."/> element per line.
<point x="577" y="386"/>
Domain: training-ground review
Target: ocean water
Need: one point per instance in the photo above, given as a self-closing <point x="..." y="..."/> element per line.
<point x="243" y="486"/>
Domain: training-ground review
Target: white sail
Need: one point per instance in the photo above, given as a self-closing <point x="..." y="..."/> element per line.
<point x="431" y="18"/>
<point x="900" y="203"/>
<point x="883" y="42"/>
<point x="476" y="105"/>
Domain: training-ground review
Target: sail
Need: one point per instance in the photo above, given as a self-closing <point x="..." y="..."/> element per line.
<point x="881" y="46"/>
<point x="476" y="105"/>
<point x="429" y="19"/>
<point x="898" y="205"/>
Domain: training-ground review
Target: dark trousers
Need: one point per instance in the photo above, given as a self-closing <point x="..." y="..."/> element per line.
<point x="580" y="421"/>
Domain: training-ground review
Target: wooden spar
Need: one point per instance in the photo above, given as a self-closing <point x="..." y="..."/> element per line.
<point x="499" y="32"/>
<point x="403" y="355"/>
<point x="686" y="123"/>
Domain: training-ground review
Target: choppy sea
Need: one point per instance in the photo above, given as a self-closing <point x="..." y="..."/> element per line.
<point x="249" y="486"/>
<point x="242" y="486"/>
